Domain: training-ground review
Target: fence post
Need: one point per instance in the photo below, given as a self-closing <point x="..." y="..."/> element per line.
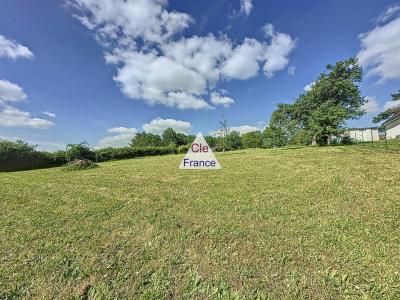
<point x="372" y="138"/>
<point x="386" y="145"/>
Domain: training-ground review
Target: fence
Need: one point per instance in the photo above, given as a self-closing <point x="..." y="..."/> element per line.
<point x="382" y="142"/>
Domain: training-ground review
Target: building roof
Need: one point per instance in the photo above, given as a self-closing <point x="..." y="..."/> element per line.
<point x="392" y="118"/>
<point x="365" y="128"/>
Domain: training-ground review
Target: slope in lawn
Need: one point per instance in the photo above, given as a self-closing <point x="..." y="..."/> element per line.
<point x="310" y="222"/>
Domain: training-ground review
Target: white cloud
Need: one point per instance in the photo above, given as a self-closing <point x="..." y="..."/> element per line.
<point x="49" y="114"/>
<point x="13" y="117"/>
<point x="12" y="49"/>
<point x="244" y="62"/>
<point x="371" y="106"/>
<point x="158" y="125"/>
<point x="246" y="6"/>
<point x="309" y="86"/>
<point x="241" y="129"/>
<point x="157" y="64"/>
<point x="244" y="129"/>
<point x="219" y="99"/>
<point x="277" y="52"/>
<point x="10" y="91"/>
<point x="121" y="138"/>
<point x="291" y="70"/>
<point x="379" y="53"/>
<point x="389" y="13"/>
<point x="391" y="104"/>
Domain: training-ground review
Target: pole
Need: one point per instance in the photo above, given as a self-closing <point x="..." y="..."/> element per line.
<point x="372" y="138"/>
<point x="386" y="145"/>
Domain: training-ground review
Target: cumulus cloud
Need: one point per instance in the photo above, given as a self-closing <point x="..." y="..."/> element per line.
<point x="12" y="49"/>
<point x="11" y="92"/>
<point x="121" y="136"/>
<point x="379" y="53"/>
<point x="13" y="117"/>
<point x="371" y="106"/>
<point x="158" y="125"/>
<point x="277" y="52"/>
<point x="391" y="104"/>
<point x="49" y="114"/>
<point x="219" y="99"/>
<point x="155" y="63"/>
<point x="246" y="6"/>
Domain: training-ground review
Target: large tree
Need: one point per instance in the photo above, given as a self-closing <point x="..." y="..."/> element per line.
<point x="333" y="99"/>
<point x="383" y="116"/>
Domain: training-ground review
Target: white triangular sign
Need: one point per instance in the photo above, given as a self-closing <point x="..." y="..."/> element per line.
<point x="199" y="156"/>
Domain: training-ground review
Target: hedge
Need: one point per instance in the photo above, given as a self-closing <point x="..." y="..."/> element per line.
<point x="107" y="154"/>
<point x="17" y="156"/>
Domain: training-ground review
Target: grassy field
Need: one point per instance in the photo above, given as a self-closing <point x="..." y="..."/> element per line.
<point x="314" y="223"/>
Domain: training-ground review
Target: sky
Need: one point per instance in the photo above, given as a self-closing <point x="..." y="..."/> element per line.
<point x="102" y="70"/>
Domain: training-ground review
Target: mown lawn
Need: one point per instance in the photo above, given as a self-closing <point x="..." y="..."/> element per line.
<point x="314" y="223"/>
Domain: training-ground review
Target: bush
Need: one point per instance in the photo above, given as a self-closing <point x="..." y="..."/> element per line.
<point x="184" y="148"/>
<point x="79" y="151"/>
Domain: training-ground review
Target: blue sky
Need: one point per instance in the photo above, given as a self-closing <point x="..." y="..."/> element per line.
<point x="100" y="71"/>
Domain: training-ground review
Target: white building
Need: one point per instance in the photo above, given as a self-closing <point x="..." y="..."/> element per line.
<point x="363" y="134"/>
<point x="392" y="126"/>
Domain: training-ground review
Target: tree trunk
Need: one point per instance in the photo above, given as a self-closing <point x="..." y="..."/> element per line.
<point x="314" y="140"/>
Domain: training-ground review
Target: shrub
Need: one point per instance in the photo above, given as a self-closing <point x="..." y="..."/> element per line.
<point x="253" y="139"/>
<point x="184" y="148"/>
<point x="79" y="151"/>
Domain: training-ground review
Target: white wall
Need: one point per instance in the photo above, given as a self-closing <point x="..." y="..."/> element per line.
<point x="365" y="135"/>
<point x="393" y="129"/>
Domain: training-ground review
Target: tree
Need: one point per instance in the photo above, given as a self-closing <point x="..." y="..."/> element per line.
<point x="334" y="98"/>
<point x="169" y="137"/>
<point x="79" y="151"/>
<point x="223" y="131"/>
<point x="253" y="139"/>
<point x="385" y="115"/>
<point x="211" y="140"/>
<point x="283" y="126"/>
<point x="233" y="140"/>
<point x="143" y="139"/>
<point x="181" y="139"/>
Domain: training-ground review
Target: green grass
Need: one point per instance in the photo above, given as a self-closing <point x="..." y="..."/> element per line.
<point x="314" y="223"/>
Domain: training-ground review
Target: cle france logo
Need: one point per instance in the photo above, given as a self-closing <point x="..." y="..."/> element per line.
<point x="199" y="156"/>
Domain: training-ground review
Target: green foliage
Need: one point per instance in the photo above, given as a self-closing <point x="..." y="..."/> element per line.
<point x="169" y="137"/>
<point x="211" y="141"/>
<point x="321" y="112"/>
<point x="383" y="116"/>
<point x="79" y="151"/>
<point x="16" y="156"/>
<point x="252" y="139"/>
<point x="233" y="140"/>
<point x="143" y="139"/>
<point x="184" y="148"/>
<point x="107" y="154"/>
